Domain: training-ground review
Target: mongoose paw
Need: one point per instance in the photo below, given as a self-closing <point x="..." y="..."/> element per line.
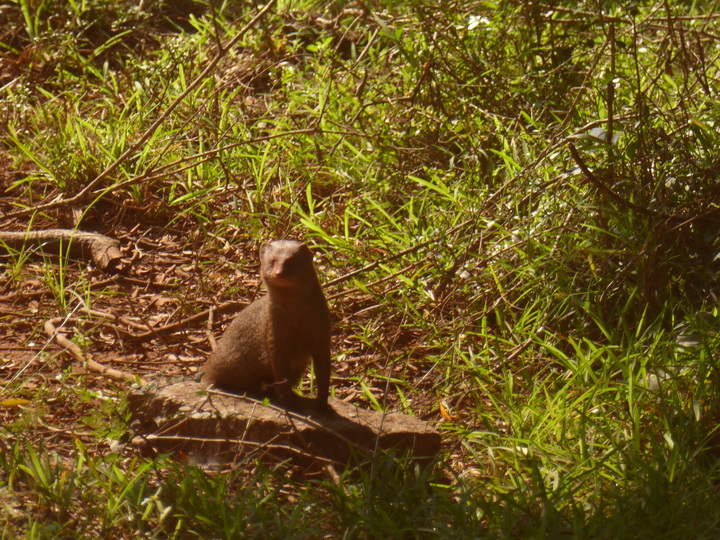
<point x="322" y="408"/>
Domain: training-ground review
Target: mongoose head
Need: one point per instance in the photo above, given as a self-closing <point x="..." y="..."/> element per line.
<point x="286" y="264"/>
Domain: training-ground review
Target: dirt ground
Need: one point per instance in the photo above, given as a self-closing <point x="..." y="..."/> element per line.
<point x="150" y="317"/>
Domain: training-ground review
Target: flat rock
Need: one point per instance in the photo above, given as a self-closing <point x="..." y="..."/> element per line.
<point x="210" y="425"/>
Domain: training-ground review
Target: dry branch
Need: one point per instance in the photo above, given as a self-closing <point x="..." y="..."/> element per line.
<point x="606" y="190"/>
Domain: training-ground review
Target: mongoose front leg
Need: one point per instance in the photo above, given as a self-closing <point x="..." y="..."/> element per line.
<point x="321" y="365"/>
<point x="282" y="385"/>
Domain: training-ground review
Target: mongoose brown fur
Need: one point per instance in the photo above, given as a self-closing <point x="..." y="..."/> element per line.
<point x="270" y="343"/>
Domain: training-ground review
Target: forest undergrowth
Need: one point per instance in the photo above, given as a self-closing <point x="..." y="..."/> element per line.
<point x="514" y="212"/>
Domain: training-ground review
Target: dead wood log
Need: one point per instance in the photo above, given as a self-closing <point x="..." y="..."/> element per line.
<point x="103" y="250"/>
<point x="211" y="426"/>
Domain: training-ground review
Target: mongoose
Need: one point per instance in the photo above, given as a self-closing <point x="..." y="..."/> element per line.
<point x="270" y="343"/>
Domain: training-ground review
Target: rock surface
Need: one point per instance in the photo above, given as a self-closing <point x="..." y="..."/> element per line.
<point x="210" y="426"/>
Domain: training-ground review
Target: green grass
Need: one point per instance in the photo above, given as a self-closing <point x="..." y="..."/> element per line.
<point x="559" y="330"/>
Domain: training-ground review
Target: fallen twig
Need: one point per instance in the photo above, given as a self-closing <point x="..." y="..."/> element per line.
<point x="85" y="358"/>
<point x="185" y="322"/>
